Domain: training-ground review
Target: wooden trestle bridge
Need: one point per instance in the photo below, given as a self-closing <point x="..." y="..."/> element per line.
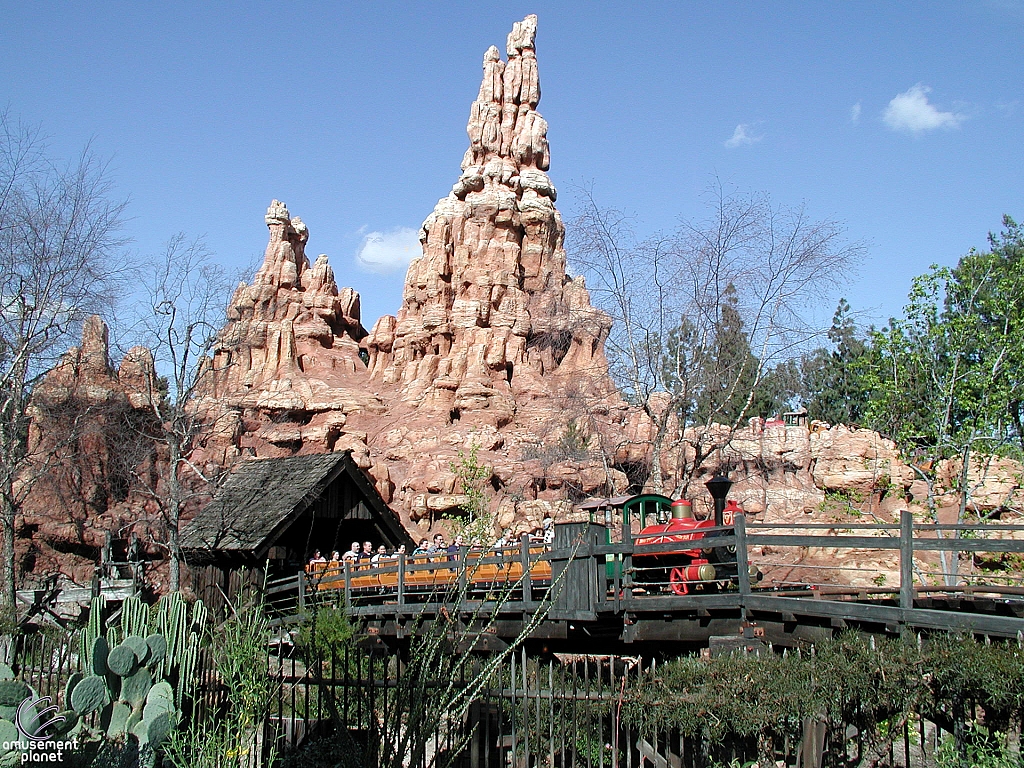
<point x="586" y="595"/>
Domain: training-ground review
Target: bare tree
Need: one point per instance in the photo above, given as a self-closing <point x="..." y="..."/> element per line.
<point x="701" y="314"/>
<point x="60" y="256"/>
<point x="185" y="295"/>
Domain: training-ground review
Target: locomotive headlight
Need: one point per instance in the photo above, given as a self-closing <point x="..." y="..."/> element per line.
<point x="706" y="572"/>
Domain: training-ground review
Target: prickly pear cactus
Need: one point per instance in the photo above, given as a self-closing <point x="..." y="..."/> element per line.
<point x="89" y="695"/>
<point x="122" y="660"/>
<point x="140" y="671"/>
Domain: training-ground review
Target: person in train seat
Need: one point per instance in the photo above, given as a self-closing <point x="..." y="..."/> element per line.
<point x="381" y="554"/>
<point x="456" y="548"/>
<point x="367" y="552"/>
<point x="353" y="553"/>
<point x="548" y="527"/>
<point x="317" y="558"/>
<point x="422" y="549"/>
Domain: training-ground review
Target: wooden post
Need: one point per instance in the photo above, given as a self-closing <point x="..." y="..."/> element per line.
<point x="348" y="584"/>
<point x="401" y="579"/>
<point x="626" y="563"/>
<point x="906" y="560"/>
<point x="301" y="582"/>
<point x="742" y="562"/>
<point x="462" y="571"/>
<point x="524" y="559"/>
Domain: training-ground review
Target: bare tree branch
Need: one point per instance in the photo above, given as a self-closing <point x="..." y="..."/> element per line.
<point x="60" y="260"/>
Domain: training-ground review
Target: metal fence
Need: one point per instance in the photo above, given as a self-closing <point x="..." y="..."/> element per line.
<point x="554" y="710"/>
<point x="563" y="711"/>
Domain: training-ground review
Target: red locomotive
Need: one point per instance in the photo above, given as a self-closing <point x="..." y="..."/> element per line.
<point x="699" y="562"/>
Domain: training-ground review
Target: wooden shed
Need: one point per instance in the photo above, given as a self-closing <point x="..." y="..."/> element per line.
<point x="276" y="512"/>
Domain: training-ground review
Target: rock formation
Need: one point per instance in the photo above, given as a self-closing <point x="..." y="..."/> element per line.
<point x="495" y="351"/>
<point x="87" y="435"/>
<point x="494" y="345"/>
<point x="489" y="318"/>
<point x="287" y="366"/>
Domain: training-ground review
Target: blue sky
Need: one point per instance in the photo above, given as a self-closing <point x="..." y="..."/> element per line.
<point x="905" y="121"/>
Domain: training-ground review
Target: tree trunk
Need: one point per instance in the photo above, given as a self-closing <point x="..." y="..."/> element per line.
<point x="8" y="566"/>
<point x="174" y="517"/>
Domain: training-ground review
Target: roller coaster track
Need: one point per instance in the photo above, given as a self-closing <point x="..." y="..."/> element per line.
<point x="584" y="595"/>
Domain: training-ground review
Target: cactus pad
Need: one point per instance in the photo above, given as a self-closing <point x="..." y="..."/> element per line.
<point x="161" y="690"/>
<point x="122" y="660"/>
<point x="157" y="648"/>
<point x="134" y="689"/>
<point x="117" y="721"/>
<point x="138" y="644"/>
<point x="8" y="731"/>
<point x="74" y="680"/>
<point x="13" y="692"/>
<point x="157" y="729"/>
<point x="133" y="720"/>
<point x="63" y="728"/>
<point x="156" y="707"/>
<point x="89" y="695"/>
<point x="98" y="654"/>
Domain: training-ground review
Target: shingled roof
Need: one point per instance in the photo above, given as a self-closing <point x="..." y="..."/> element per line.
<point x="262" y="497"/>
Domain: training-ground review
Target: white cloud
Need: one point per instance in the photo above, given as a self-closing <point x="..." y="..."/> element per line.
<point x="911" y="111"/>
<point x="855" y="113"/>
<point x="744" y="134"/>
<point x="388" y="252"/>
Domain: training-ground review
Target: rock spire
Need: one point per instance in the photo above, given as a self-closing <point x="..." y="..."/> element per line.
<point x="489" y="318"/>
<point x="287" y="365"/>
<point x="292" y="334"/>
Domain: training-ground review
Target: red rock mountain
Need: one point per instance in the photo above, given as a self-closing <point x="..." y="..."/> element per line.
<point x="495" y="348"/>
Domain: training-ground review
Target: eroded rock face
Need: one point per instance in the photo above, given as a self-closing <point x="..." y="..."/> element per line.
<point x="287" y="363"/>
<point x="489" y="318"/>
<point x="495" y="350"/>
<point x="86" y="437"/>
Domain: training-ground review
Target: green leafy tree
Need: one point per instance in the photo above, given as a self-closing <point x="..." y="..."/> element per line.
<point x="943" y="378"/>
<point x="477" y="524"/>
<point x="731" y="371"/>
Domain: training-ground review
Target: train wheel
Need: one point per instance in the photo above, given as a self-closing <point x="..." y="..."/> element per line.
<point x="677" y="581"/>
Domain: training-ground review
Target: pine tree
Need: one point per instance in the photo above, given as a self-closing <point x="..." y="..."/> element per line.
<point x="833" y="380"/>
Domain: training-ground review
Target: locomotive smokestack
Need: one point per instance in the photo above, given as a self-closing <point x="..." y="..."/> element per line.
<point x="719" y="486"/>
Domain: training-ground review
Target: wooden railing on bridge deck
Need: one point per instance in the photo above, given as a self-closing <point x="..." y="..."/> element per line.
<point x="584" y="578"/>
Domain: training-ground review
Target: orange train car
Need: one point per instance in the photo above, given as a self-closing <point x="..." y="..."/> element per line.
<point x="425" y="573"/>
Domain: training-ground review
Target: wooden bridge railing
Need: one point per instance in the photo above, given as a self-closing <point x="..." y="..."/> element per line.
<point x="583" y="577"/>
